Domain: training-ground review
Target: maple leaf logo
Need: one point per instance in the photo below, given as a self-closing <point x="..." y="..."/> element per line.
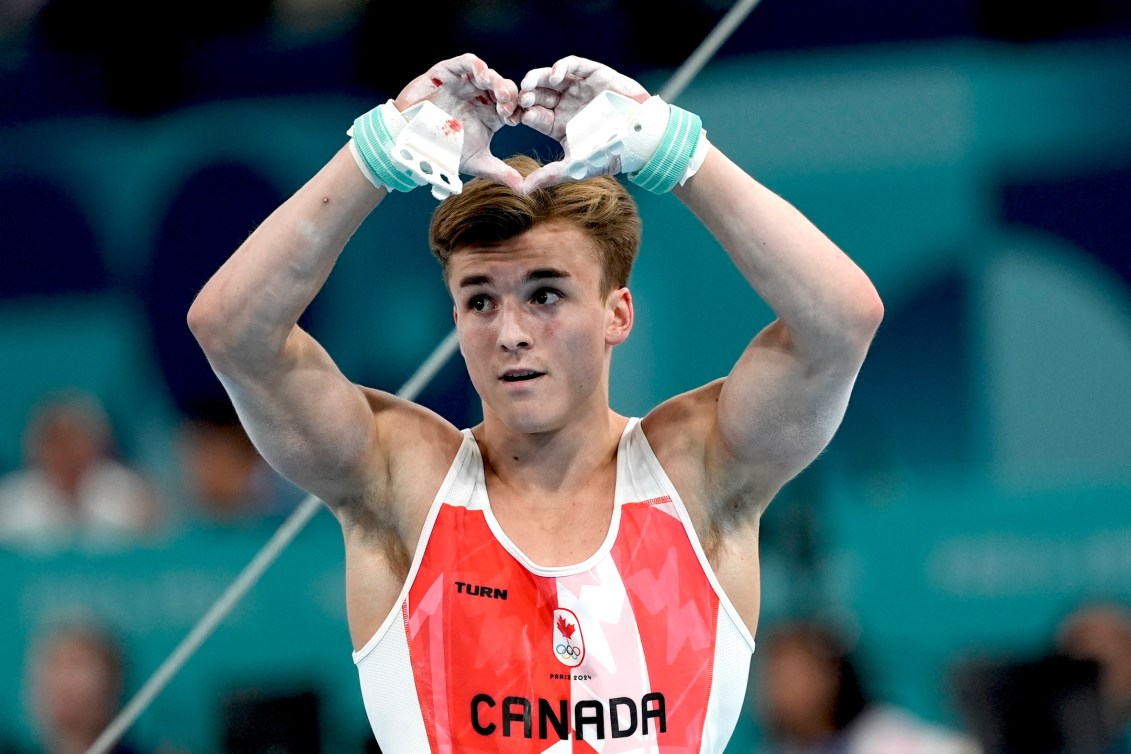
<point x="566" y="641"/>
<point x="566" y="627"/>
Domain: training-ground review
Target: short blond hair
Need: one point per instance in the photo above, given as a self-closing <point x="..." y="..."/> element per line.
<point x="488" y="212"/>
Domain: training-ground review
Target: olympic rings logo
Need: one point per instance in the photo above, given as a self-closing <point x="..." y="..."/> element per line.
<point x="568" y="650"/>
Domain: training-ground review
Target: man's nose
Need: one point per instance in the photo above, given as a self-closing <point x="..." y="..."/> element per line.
<point x="513" y="332"/>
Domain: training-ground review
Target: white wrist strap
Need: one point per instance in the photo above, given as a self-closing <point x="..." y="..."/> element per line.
<point x="656" y="144"/>
<point x="430" y="147"/>
<point x="400" y="151"/>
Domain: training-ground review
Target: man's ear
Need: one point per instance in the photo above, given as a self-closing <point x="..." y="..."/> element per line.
<point x="455" y="319"/>
<point x="618" y="306"/>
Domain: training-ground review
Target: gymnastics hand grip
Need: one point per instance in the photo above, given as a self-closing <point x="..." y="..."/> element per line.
<point x="656" y="144"/>
<point x="614" y="134"/>
<point x="400" y="151"/>
<point x="430" y="147"/>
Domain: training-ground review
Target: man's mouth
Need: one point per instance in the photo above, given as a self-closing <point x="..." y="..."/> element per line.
<point x="520" y="375"/>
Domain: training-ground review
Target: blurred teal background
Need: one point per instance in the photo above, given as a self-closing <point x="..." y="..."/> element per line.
<point x="979" y="488"/>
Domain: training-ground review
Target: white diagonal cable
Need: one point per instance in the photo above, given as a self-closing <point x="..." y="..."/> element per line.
<point x="706" y="49"/>
<point x="305" y="511"/>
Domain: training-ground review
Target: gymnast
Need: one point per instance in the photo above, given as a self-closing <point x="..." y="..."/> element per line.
<point x="558" y="573"/>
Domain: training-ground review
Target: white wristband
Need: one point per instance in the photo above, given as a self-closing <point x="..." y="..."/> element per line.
<point x="668" y="165"/>
<point x="372" y="138"/>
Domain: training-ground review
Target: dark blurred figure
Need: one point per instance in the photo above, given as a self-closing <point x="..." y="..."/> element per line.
<point x="1049" y="704"/>
<point x="279" y="721"/>
<point x="1100" y="632"/>
<point x="76" y="677"/>
<point x="812" y="699"/>
<point x="73" y="490"/>
<point x="136" y="53"/>
<point x="1072" y="698"/>
<point x="225" y="481"/>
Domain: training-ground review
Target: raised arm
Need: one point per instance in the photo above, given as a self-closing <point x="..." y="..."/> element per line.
<point x="787" y="394"/>
<point x="749" y="433"/>
<point x="308" y="420"/>
<point x="305" y="417"/>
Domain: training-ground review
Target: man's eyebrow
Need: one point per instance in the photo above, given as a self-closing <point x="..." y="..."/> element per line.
<point x="547" y="273"/>
<point x="541" y="273"/>
<point x="472" y="280"/>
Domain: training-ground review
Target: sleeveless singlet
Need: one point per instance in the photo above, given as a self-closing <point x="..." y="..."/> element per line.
<point x="636" y="649"/>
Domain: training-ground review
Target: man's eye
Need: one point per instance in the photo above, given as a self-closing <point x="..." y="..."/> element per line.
<point x="479" y="303"/>
<point x="546" y="296"/>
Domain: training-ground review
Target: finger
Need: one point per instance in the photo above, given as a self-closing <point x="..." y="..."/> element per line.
<point x="539" y="118"/>
<point x="571" y="69"/>
<point x="457" y="70"/>
<point x="544" y="177"/>
<point x="490" y="166"/>
<point x="510" y="115"/>
<point x="540" y="97"/>
<point x="467" y="66"/>
<point x="572" y="66"/>
<point x="453" y="74"/>
<point x="534" y="78"/>
<point x="504" y="93"/>
<point x="505" y="90"/>
<point x="467" y="74"/>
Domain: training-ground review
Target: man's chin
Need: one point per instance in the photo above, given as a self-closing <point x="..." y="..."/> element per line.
<point x="529" y="422"/>
<point x="529" y="426"/>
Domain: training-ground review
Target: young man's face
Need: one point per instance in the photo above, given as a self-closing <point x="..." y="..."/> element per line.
<point x="534" y="328"/>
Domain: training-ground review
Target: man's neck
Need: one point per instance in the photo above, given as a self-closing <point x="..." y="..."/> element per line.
<point x="559" y="460"/>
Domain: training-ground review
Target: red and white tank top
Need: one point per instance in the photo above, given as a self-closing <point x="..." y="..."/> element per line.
<point x="636" y="649"/>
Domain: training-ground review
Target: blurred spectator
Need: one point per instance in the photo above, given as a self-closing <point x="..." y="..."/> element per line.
<point x="75" y="681"/>
<point x="813" y="700"/>
<point x="72" y="490"/>
<point x="1059" y="701"/>
<point x="225" y="480"/>
<point x="1100" y="632"/>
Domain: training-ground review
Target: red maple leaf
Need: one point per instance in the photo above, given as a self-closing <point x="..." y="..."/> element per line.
<point x="565" y="627"/>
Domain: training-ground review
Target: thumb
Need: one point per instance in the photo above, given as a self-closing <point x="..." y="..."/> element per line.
<point x="490" y="166"/>
<point x="547" y="175"/>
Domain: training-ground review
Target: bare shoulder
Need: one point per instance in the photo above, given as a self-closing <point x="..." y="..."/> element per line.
<point x="403" y="421"/>
<point x="679" y="432"/>
<point x="411" y="449"/>
<point x="683" y="422"/>
<point x="721" y="491"/>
